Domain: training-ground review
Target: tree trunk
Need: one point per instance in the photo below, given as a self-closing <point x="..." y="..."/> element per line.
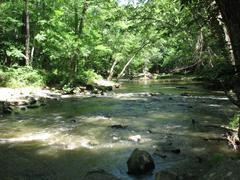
<point x="131" y="59"/>
<point x="238" y="133"/>
<point x="27" y="35"/>
<point x="230" y="12"/>
<point x="83" y="14"/>
<point x="199" y="48"/>
<point x="125" y="67"/>
<point x="229" y="45"/>
<point x="78" y="28"/>
<point x="110" y="76"/>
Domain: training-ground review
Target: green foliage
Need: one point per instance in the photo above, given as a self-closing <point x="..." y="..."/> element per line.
<point x="235" y="121"/>
<point x="89" y="77"/>
<point x="21" y="77"/>
<point x="74" y="41"/>
<point x="68" y="88"/>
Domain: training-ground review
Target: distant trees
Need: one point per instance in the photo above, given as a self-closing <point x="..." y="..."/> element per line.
<point x="67" y="39"/>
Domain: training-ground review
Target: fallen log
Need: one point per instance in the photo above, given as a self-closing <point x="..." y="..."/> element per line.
<point x="188" y="69"/>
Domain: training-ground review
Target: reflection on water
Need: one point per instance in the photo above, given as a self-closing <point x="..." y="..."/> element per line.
<point x="68" y="138"/>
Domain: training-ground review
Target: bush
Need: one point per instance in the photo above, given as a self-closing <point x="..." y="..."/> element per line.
<point x="88" y="77"/>
<point x="234" y="121"/>
<point x="21" y="77"/>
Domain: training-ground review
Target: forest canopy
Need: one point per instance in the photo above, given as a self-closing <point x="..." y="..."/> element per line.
<point x="69" y="42"/>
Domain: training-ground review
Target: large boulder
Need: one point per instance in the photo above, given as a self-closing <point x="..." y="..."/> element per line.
<point x="140" y="162"/>
<point x="104" y="85"/>
<point x="5" y="108"/>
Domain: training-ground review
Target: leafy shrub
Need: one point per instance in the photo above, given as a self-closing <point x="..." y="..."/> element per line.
<point x="88" y="77"/>
<point x="68" y="88"/>
<point x="234" y="121"/>
<point x="21" y="77"/>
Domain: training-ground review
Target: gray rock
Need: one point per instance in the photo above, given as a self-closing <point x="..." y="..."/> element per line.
<point x="140" y="162"/>
<point x="32" y="100"/>
<point x="136" y="138"/>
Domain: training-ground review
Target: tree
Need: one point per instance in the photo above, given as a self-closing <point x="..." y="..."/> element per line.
<point x="27" y="33"/>
<point x="231" y="17"/>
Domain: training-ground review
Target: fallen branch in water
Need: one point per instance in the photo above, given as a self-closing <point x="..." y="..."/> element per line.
<point x="234" y="141"/>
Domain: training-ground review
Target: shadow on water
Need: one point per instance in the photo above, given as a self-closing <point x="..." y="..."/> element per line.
<point x="68" y="138"/>
<point x="30" y="161"/>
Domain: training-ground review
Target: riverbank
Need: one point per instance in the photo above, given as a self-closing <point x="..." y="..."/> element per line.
<point x="23" y="98"/>
<point x="14" y="99"/>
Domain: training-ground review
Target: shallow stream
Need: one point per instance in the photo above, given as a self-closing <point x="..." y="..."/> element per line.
<point x="65" y="139"/>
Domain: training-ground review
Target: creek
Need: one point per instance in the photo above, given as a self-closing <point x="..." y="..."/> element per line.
<point x="65" y="139"/>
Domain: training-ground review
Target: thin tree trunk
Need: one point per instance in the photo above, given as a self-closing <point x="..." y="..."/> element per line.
<point x="110" y="76"/>
<point x="238" y="132"/>
<point x="130" y="60"/>
<point x="32" y="54"/>
<point x="79" y="25"/>
<point x="76" y="17"/>
<point x="83" y="14"/>
<point x="27" y="35"/>
<point x="229" y="45"/>
<point x="199" y="47"/>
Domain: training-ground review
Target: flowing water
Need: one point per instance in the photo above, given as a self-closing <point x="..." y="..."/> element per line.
<point x="65" y="139"/>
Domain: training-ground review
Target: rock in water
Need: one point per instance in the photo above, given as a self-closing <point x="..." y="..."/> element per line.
<point x="99" y="175"/>
<point x="136" y="138"/>
<point x="140" y="162"/>
<point x="118" y="126"/>
<point x="166" y="175"/>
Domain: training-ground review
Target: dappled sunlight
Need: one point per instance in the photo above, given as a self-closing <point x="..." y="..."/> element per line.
<point x="106" y="127"/>
<point x="27" y="137"/>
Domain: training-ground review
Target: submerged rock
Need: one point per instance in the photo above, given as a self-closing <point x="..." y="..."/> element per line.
<point x="156" y="94"/>
<point x="167" y="148"/>
<point x="99" y="175"/>
<point x="118" y="126"/>
<point x="140" y="162"/>
<point x="166" y="175"/>
<point x="185" y="94"/>
<point x="181" y="87"/>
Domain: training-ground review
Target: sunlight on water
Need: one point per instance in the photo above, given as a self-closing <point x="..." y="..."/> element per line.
<point x="79" y="133"/>
<point x="27" y="137"/>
